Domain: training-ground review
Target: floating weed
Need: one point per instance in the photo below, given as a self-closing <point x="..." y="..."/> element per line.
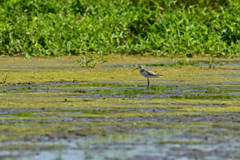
<point x="33" y="129"/>
<point x="121" y="115"/>
<point x="31" y="147"/>
<point x="207" y="97"/>
<point x="94" y="85"/>
<point x="212" y="109"/>
<point x="26" y="114"/>
<point x="100" y="111"/>
<point x="103" y="111"/>
<point x="23" y="119"/>
<point x="20" y="89"/>
<point x="45" y="100"/>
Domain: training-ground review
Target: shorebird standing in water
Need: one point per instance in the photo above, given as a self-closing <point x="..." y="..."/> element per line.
<point x="148" y="74"/>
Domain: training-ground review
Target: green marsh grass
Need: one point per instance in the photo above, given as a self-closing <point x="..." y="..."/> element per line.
<point x="4" y="79"/>
<point x="92" y="60"/>
<point x="163" y="28"/>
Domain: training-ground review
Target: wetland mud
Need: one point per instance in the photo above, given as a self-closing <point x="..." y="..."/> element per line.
<point x="53" y="109"/>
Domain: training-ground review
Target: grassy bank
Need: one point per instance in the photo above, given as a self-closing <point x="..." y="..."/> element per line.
<point x="71" y="27"/>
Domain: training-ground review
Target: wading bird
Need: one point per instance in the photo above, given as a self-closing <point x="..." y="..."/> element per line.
<point x="148" y="74"/>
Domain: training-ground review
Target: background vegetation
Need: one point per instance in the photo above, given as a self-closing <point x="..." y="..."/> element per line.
<point x="160" y="27"/>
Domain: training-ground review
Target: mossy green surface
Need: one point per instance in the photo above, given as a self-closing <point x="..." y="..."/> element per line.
<point x="42" y="70"/>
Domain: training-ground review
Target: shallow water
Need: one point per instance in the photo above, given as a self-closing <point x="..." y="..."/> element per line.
<point x="53" y="109"/>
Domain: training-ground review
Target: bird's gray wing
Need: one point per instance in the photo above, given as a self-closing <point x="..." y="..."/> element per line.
<point x="152" y="73"/>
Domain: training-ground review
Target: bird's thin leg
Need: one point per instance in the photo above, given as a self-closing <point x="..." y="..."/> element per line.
<point x="148" y="82"/>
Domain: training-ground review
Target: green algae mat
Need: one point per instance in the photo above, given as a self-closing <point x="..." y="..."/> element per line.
<point x="51" y="108"/>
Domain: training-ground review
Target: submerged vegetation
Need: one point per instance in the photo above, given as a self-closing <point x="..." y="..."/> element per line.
<point x="164" y="28"/>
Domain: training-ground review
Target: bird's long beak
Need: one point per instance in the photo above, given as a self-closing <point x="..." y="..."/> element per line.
<point x="135" y="69"/>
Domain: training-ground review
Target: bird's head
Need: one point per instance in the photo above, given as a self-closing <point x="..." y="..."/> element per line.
<point x="139" y="67"/>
